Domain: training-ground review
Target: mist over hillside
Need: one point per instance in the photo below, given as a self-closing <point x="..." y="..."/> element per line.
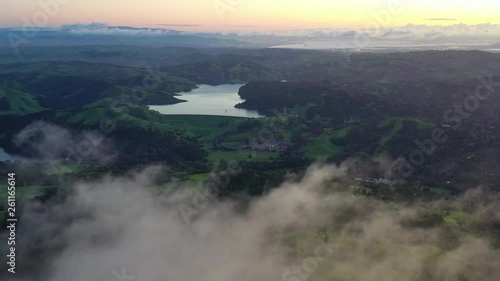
<point x="382" y="38"/>
<point x="223" y="140"/>
<point x="309" y="227"/>
<point x="317" y="224"/>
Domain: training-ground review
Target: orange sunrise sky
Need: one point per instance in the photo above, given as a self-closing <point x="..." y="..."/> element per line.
<point x="220" y="15"/>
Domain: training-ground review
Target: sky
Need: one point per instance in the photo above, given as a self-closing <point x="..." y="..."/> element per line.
<point x="226" y="15"/>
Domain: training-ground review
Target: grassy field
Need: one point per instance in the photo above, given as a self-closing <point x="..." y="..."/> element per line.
<point x="422" y="125"/>
<point x="24" y="192"/>
<point x="137" y="116"/>
<point x="322" y="147"/>
<point x="397" y="124"/>
<point x="65" y="169"/>
<point x="342" y="133"/>
<point x="241" y="156"/>
<point x="20" y="102"/>
<point x="202" y="125"/>
<point x="441" y="191"/>
<point x="197" y="178"/>
<point x="210" y="128"/>
<point x="93" y="116"/>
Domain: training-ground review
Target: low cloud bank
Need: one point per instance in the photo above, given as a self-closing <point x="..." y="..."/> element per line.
<point x="307" y="229"/>
<point x="55" y="145"/>
<point x="377" y="31"/>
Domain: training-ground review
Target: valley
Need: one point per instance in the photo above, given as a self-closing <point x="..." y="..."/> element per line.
<point x="408" y="134"/>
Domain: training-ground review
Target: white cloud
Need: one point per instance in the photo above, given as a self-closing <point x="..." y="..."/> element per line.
<point x="98" y="28"/>
<point x="116" y="224"/>
<point x="404" y="32"/>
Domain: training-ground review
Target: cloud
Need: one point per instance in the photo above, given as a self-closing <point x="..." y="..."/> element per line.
<point x="115" y="224"/>
<point x="179" y="25"/>
<point x="105" y="29"/>
<point x="83" y="25"/>
<point x="407" y="32"/>
<point x="245" y="26"/>
<point x="51" y="143"/>
<point x="459" y="32"/>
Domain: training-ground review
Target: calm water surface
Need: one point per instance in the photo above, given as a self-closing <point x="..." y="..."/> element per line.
<point x="209" y="100"/>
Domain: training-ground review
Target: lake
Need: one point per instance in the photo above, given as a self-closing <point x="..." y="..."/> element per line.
<point x="208" y="100"/>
